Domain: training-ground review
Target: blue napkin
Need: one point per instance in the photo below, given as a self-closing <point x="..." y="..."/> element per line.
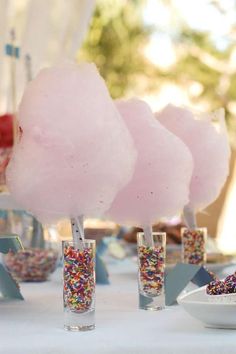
<point x="179" y="277"/>
<point x="10" y="242"/>
<point x="102" y="276"/>
<point x="101" y="271"/>
<point x="8" y="286"/>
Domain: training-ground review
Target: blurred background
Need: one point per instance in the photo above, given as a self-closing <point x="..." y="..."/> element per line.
<point x="163" y="51"/>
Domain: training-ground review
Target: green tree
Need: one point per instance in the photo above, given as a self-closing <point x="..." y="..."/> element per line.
<point x="117" y="39"/>
<point x="115" y="43"/>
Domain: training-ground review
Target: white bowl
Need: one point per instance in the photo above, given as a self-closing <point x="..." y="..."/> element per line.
<point x="211" y="314"/>
<point x="224" y="298"/>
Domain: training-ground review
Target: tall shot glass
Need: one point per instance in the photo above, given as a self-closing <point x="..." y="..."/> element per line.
<point x="194" y="245"/>
<point x="151" y="269"/>
<point x="79" y="286"/>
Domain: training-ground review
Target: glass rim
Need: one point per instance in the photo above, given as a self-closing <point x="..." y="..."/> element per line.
<point x="153" y="233"/>
<point x="195" y="229"/>
<point x="160" y="234"/>
<point x="71" y="242"/>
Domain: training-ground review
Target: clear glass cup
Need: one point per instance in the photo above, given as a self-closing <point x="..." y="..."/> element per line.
<point x="151" y="269"/>
<point x="194" y="245"/>
<point x="40" y="256"/>
<point x="31" y="264"/>
<point x="79" y="286"/>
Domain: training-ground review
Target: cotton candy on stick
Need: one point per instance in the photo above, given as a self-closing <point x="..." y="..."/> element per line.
<point x="74" y="151"/>
<point x="206" y="137"/>
<point x="160" y="183"/>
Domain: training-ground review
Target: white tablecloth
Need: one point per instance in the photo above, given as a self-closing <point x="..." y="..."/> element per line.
<point x="35" y="326"/>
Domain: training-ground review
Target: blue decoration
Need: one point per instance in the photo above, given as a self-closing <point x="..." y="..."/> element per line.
<point x="12" y="51"/>
<point x="102" y="247"/>
<point x="8" y="286"/>
<point x="179" y="277"/>
<point x="10" y="242"/>
<point x="101" y="271"/>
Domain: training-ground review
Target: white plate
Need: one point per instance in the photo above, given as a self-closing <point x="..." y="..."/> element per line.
<point x="214" y="315"/>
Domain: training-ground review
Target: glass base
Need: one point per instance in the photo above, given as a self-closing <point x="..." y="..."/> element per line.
<point x="151" y="303"/>
<point x="79" y="328"/>
<point x="75" y="322"/>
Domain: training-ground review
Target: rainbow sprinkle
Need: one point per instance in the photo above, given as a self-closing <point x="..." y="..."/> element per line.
<point x="33" y="264"/>
<point x="216" y="287"/>
<point x="151" y="270"/>
<point x="230" y="284"/>
<point x="79" y="278"/>
<point x="194" y="246"/>
<point x="220" y="287"/>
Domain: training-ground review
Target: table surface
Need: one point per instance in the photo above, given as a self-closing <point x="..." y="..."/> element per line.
<point x="35" y="326"/>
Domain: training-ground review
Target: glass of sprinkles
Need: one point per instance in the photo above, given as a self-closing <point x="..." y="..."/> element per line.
<point x="194" y="245"/>
<point x="151" y="268"/>
<point x="79" y="286"/>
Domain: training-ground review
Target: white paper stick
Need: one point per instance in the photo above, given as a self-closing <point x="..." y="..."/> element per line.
<point x="77" y="232"/>
<point x="148" y="235"/>
<point x="13" y="85"/>
<point x="80" y="224"/>
<point x="189" y="218"/>
<point x="4" y="74"/>
<point x="28" y="68"/>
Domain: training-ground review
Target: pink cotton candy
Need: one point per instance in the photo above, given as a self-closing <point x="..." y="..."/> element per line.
<point x="75" y="152"/>
<point x="160" y="184"/>
<point x="209" y="147"/>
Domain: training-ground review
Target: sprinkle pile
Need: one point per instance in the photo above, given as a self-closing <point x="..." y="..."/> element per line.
<point x="194" y="246"/>
<point x="230" y="284"/>
<point x="33" y="264"/>
<point x="216" y="287"/>
<point x="151" y="269"/>
<point x="79" y="278"/>
<point x="227" y="286"/>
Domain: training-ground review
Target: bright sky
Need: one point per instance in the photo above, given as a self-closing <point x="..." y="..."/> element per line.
<point x="200" y="15"/>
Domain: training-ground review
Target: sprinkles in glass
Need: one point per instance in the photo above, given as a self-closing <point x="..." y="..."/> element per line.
<point x="194" y="245"/>
<point x="151" y="263"/>
<point x="79" y="286"/>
